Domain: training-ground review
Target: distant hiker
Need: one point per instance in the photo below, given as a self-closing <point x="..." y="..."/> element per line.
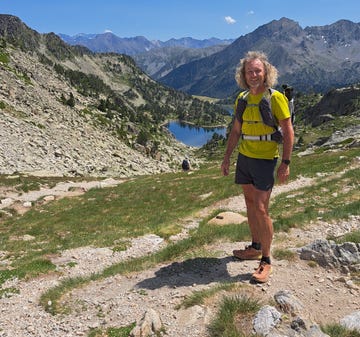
<point x="185" y="164"/>
<point x="258" y="153"/>
<point x="289" y="93"/>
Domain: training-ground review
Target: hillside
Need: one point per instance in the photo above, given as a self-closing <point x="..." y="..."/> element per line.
<point x="313" y="59"/>
<point x="161" y="61"/>
<point x="68" y="111"/>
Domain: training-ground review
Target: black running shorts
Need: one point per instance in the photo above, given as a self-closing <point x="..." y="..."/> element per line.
<point x="259" y="172"/>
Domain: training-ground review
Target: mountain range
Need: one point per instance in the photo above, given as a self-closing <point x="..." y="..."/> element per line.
<point x="109" y="42"/>
<point x="313" y="59"/>
<point x="156" y="58"/>
<point x="67" y="110"/>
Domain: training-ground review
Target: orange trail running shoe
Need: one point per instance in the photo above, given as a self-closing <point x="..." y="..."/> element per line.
<point x="249" y="253"/>
<point x="263" y="272"/>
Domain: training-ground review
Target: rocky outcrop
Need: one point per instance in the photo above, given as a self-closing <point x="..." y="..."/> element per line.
<point x="345" y="256"/>
<point x="337" y="102"/>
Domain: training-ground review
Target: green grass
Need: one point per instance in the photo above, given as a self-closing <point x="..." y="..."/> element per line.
<point x="333" y="195"/>
<point x="199" y="297"/>
<point x="25" y="183"/>
<point x="158" y="204"/>
<point x="284" y="254"/>
<point x="336" y="330"/>
<point x="4" y="57"/>
<point x="348" y="237"/>
<point x="102" y="217"/>
<point x="233" y="309"/>
<point x="112" y="332"/>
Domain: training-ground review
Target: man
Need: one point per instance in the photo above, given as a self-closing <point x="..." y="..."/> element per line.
<point x="257" y="158"/>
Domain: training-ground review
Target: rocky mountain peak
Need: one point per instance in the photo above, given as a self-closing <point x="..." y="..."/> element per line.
<point x="13" y="30"/>
<point x="342" y="31"/>
<point x="278" y="28"/>
<point x="314" y="59"/>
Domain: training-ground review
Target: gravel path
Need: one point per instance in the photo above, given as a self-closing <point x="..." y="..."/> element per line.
<point x="120" y="300"/>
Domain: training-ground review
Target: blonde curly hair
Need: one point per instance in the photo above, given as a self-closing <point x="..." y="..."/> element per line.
<point x="271" y="73"/>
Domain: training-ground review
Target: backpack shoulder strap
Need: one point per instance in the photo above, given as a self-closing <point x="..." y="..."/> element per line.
<point x="271" y="91"/>
<point x="290" y="104"/>
<point x="265" y="109"/>
<point x="241" y="106"/>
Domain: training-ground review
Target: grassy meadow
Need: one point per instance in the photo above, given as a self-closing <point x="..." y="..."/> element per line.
<point x="159" y="204"/>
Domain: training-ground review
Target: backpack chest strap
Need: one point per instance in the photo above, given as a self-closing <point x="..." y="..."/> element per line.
<point x="271" y="137"/>
<point x="267" y="137"/>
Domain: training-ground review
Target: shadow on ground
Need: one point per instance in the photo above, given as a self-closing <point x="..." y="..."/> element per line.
<point x="200" y="270"/>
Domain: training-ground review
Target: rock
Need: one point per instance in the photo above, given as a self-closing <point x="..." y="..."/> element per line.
<point x="315" y="331"/>
<point x="351" y="321"/>
<point x="327" y="254"/>
<point x="322" y="119"/>
<point x="6" y="202"/>
<point x="150" y="324"/>
<point x="287" y="302"/>
<point x="225" y="218"/>
<point x="48" y="198"/>
<point x="266" y="319"/>
<point x="27" y="204"/>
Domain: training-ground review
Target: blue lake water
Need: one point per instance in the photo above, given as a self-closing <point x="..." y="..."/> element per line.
<point x="193" y="135"/>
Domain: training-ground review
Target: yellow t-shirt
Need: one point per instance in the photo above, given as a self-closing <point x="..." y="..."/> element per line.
<point x="252" y="125"/>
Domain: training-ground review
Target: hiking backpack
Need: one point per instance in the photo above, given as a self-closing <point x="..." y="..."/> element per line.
<point x="289" y="93"/>
<point x="266" y="115"/>
<point x="185" y="165"/>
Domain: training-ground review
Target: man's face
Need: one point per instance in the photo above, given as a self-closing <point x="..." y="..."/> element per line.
<point x="255" y="73"/>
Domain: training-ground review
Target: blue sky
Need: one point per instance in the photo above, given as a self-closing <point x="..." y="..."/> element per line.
<point x="165" y="19"/>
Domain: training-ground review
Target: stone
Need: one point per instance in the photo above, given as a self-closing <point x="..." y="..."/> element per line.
<point x="266" y="319"/>
<point x="150" y="324"/>
<point x="328" y="254"/>
<point x="288" y="302"/>
<point x="226" y="218"/>
<point x="351" y="321"/>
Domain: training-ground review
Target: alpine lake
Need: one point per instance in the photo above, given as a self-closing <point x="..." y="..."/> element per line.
<point x="193" y="135"/>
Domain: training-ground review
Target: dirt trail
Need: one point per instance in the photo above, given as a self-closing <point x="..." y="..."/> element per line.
<point x="122" y="300"/>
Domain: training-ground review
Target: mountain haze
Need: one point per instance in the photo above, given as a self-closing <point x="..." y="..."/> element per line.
<point x="109" y="42"/>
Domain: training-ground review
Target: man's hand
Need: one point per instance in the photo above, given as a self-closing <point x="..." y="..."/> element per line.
<point x="283" y="173"/>
<point x="225" y="166"/>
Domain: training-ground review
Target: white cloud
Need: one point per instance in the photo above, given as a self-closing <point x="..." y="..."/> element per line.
<point x="107" y="31"/>
<point x="250" y="13"/>
<point x="229" y="20"/>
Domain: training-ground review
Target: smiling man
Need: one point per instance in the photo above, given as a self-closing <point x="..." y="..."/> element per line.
<point x="260" y="112"/>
